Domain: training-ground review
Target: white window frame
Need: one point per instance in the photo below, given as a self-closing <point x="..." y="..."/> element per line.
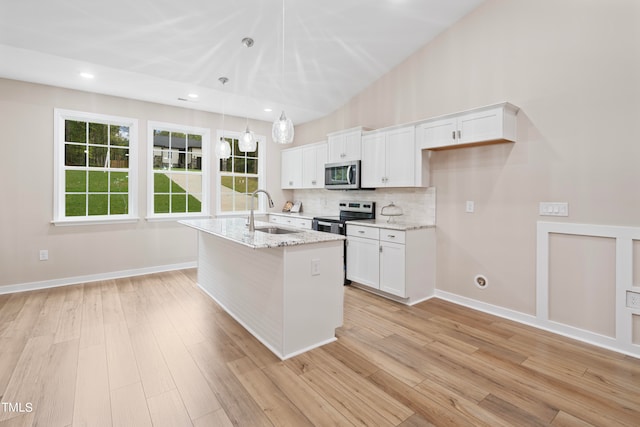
<point x="261" y="207"/>
<point x="205" y="171"/>
<point x="59" y="168"/>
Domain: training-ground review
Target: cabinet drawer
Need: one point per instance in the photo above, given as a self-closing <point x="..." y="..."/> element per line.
<point x="301" y="223"/>
<point x="293" y="222"/>
<point x="395" y="236"/>
<point x="276" y="219"/>
<point x="360" y="231"/>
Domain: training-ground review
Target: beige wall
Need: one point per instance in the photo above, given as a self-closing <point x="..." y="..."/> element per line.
<point x="573" y="67"/>
<point x="26" y="205"/>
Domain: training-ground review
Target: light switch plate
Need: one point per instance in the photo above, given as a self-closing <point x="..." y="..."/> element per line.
<point x="470" y="206"/>
<point x="554" y="209"/>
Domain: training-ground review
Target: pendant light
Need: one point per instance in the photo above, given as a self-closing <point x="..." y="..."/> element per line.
<point x="223" y="148"/>
<point x="248" y="143"/>
<point x="282" y="131"/>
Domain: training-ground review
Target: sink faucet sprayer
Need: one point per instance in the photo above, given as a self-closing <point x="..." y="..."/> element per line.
<point x="252" y="226"/>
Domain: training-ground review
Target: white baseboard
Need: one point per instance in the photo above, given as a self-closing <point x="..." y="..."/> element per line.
<point x="45" y="284"/>
<point x="546" y="325"/>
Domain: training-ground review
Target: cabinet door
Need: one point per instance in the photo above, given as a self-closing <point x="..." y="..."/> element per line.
<point x="309" y="173"/>
<point x="352" y="143"/>
<point x="336" y="148"/>
<point x="344" y="147"/>
<point x="480" y="126"/>
<point x="363" y="261"/>
<point x="321" y="159"/>
<point x="400" y="158"/>
<point x="373" y="170"/>
<point x="291" y="168"/>
<point x="392" y="268"/>
<point x="438" y="133"/>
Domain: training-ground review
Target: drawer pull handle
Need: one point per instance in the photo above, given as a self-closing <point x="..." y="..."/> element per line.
<point x="361" y="231"/>
<point x="393" y="236"/>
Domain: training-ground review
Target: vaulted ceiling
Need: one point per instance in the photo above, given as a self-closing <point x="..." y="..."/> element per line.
<point x="164" y="50"/>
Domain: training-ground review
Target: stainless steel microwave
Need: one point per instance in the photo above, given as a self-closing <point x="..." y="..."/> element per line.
<point x="342" y="176"/>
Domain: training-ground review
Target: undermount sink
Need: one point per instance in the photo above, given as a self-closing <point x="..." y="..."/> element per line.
<point x="275" y="230"/>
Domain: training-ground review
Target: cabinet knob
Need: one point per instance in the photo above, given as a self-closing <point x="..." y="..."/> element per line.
<point x="313" y="182"/>
<point x="290" y="182"/>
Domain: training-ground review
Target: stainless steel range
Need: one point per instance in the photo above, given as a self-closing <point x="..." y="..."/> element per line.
<point x="349" y="211"/>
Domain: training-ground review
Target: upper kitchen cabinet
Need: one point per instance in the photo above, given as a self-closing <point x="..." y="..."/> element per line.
<point x="314" y="156"/>
<point x="344" y="146"/>
<point x="389" y="158"/>
<point x="291" y="168"/>
<point x="485" y="125"/>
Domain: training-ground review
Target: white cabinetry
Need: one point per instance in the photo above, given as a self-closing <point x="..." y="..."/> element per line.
<point x="388" y="158"/>
<point x="363" y="261"/>
<point x="393" y="263"/>
<point x="494" y="123"/>
<point x="314" y="156"/>
<point x="344" y="146"/>
<point x="291" y="168"/>
<point x="290" y="221"/>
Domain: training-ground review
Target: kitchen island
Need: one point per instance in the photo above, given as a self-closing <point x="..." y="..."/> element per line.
<point x="285" y="289"/>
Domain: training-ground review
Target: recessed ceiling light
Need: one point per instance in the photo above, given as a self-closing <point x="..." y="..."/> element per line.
<point x="247" y="42"/>
<point x="86" y="75"/>
<point x="193" y="95"/>
<point x="268" y="110"/>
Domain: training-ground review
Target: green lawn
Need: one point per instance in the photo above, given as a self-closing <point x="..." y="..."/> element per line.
<point x="102" y="203"/>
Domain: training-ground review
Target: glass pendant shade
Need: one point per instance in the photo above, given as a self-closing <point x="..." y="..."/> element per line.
<point x="223" y="149"/>
<point x="248" y="143"/>
<point x="282" y="132"/>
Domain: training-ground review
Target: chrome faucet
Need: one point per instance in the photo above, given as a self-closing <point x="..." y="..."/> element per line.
<point x="252" y="226"/>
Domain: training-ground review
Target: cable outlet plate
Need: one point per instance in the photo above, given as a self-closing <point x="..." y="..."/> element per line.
<point x="633" y="299"/>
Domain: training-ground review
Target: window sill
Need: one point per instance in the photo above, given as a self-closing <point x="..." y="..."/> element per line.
<point x="160" y="218"/>
<point x="93" y="221"/>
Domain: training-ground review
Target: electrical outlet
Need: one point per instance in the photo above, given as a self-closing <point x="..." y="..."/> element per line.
<point x="315" y="267"/>
<point x="44" y="254"/>
<point x="633" y="299"/>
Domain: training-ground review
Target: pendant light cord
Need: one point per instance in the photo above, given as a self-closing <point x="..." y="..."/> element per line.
<point x="282" y="82"/>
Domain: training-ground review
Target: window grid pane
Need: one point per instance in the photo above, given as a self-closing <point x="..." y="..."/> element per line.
<point x="180" y="191"/>
<point x="238" y="179"/>
<point x="89" y="160"/>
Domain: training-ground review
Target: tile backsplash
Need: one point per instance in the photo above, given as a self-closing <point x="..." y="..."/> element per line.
<point x="418" y="204"/>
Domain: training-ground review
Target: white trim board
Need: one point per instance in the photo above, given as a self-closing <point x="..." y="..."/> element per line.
<point x="623" y="340"/>
<point x="65" y="281"/>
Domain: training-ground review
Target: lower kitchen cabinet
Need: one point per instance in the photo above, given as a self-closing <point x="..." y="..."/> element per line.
<point x="391" y="262"/>
<point x="363" y="261"/>
<point x="392" y="268"/>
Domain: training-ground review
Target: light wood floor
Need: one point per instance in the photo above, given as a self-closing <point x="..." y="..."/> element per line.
<point x="154" y="350"/>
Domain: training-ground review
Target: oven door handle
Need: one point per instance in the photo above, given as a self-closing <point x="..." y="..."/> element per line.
<point x="328" y="224"/>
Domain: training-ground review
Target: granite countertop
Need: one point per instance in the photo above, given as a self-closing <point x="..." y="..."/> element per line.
<point x="396" y="225"/>
<point x="236" y="230"/>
